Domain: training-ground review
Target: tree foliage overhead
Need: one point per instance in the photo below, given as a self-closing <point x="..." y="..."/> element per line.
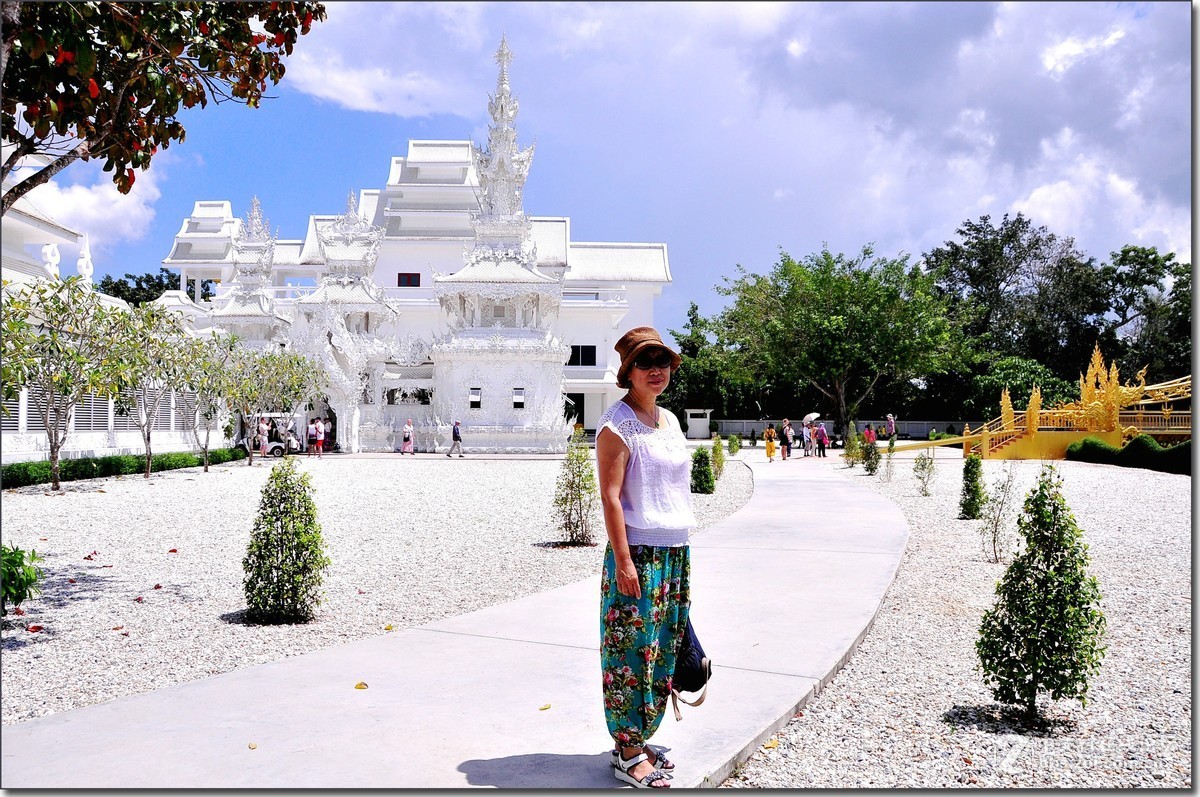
<point x="138" y="289"/>
<point x="836" y="323"/>
<point x="108" y="80"/>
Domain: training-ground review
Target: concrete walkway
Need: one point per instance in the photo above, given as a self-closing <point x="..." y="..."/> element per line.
<point x="509" y="696"/>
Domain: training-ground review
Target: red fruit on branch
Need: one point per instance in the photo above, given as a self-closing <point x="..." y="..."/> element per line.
<point x="204" y="28"/>
<point x="308" y="19"/>
<point x="93" y="89"/>
<point x="279" y="39"/>
<point x="130" y="175"/>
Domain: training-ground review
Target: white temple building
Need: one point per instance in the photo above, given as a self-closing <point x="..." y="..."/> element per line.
<point x="434" y="297"/>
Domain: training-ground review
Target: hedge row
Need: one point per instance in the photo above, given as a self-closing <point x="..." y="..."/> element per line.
<point x="22" y="474"/>
<point x="1142" y="451"/>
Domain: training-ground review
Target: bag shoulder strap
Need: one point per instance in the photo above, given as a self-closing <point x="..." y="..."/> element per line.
<point x="676" y="699"/>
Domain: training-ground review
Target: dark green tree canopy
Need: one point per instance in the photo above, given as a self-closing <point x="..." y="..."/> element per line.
<point x="85" y="80"/>
<point x="138" y="289"/>
<point x="836" y="323"/>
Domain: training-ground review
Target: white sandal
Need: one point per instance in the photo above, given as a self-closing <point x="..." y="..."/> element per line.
<point x="647" y="782"/>
<point x="660" y="755"/>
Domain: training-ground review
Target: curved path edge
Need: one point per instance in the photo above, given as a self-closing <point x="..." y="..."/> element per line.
<point x="784" y="590"/>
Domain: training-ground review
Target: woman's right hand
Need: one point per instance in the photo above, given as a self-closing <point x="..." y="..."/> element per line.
<point x="627" y="580"/>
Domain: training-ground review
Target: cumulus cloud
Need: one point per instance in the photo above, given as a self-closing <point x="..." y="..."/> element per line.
<point x="93" y="205"/>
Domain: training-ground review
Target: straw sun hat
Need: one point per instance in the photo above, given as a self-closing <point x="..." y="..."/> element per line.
<point x="633" y="343"/>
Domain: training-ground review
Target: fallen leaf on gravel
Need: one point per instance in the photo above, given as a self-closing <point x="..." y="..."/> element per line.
<point x="389" y="627"/>
<point x="158" y="586"/>
<point x="44" y="539"/>
<point x="33" y="629"/>
<point x="102" y="491"/>
<point x="70" y="581"/>
<point x="771" y="744"/>
<point x="173" y="550"/>
<point x="139" y="599"/>
<point x="18" y="611"/>
<point x="362" y="592"/>
<point x="361" y="685"/>
<point x="124" y="633"/>
<point x="966" y="761"/>
<point x="543" y="708"/>
<point x="106" y="565"/>
<point x="253" y="746"/>
<point x="118" y="627"/>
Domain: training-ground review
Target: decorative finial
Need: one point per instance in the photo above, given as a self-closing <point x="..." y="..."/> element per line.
<point x="503" y="58"/>
<point x="351" y="205"/>
<point x="256" y="227"/>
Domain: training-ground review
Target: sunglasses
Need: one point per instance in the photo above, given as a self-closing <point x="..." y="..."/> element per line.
<point x="647" y="360"/>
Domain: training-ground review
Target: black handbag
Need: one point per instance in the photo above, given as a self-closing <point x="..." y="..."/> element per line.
<point x="692" y="670"/>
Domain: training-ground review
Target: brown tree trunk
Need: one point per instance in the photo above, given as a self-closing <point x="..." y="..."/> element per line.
<point x="149" y="455"/>
<point x="54" y="472"/>
<point x="207" y="433"/>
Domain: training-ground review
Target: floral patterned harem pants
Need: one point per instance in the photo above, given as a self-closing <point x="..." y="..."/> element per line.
<point x="639" y="639"/>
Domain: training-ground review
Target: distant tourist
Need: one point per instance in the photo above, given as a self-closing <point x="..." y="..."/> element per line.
<point x="770" y="436"/>
<point x="320" y="437"/>
<point x="645" y="489"/>
<point x="456" y="438"/>
<point x="406" y="446"/>
<point x="869" y="435"/>
<point x="822" y="440"/>
<point x="312" y="436"/>
<point x="891" y="425"/>
<point x="806" y="438"/>
<point x="263" y="431"/>
<point x="785" y="439"/>
<point x="328" y="435"/>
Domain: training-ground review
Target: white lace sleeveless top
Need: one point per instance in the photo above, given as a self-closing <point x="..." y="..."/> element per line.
<point x="656" y="495"/>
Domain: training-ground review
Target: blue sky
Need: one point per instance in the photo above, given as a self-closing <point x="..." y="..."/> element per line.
<point x="727" y="131"/>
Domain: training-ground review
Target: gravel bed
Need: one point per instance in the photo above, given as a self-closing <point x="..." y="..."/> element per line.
<point x="143" y="578"/>
<point x="909" y="709"/>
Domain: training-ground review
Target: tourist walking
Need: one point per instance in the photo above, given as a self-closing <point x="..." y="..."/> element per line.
<point x="822" y="440"/>
<point x="891" y="425"/>
<point x="263" y="430"/>
<point x="406" y="446"/>
<point x="645" y="490"/>
<point x="456" y="438"/>
<point x="320" y="436"/>
<point x="785" y="439"/>
<point x="312" y="436"/>
<point x="806" y="438"/>
<point x="770" y="436"/>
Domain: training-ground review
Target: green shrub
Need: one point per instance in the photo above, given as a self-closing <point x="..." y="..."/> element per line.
<point x="20" y="575"/>
<point x="173" y="461"/>
<point x="1044" y="632"/>
<point x="285" y="561"/>
<point x="22" y="474"/>
<point x="1142" y="451"/>
<point x="970" y="506"/>
<point x="734" y="444"/>
<point x="713" y="427"/>
<point x="852" y="452"/>
<point x="923" y="469"/>
<point x="702" y="475"/>
<point x="575" y="493"/>
<point x="870" y="458"/>
<point x="718" y="457"/>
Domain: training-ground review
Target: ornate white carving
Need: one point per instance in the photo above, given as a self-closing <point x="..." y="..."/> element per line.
<point x="84" y="265"/>
<point x="51" y="258"/>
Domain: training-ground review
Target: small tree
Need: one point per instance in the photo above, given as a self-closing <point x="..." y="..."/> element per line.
<point x="997" y="516"/>
<point x="923" y="470"/>
<point x="150" y="356"/>
<point x="889" y="465"/>
<point x="575" y="493"/>
<point x="718" y="457"/>
<point x="735" y="444"/>
<point x="1043" y="634"/>
<point x="208" y="363"/>
<point x="870" y="458"/>
<point x="285" y="561"/>
<point x="974" y="497"/>
<point x="702" y="475"/>
<point x="61" y="351"/>
<point x="852" y="453"/>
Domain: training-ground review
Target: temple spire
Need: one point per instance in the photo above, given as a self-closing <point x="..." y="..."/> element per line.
<point x="503" y="58"/>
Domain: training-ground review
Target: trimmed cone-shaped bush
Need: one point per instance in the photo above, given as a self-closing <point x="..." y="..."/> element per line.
<point x="970" y="506"/>
<point x="575" y="493"/>
<point x="1043" y="634"/>
<point x="718" y="457"/>
<point x="702" y="475"/>
<point x="285" y="561"/>
<point x="734" y="444"/>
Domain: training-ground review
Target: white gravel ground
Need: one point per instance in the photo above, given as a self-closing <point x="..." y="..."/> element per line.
<point x="411" y="540"/>
<point x="909" y="710"/>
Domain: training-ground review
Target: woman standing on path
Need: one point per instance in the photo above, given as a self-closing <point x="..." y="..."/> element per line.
<point x="769" y="436"/>
<point x="645" y="489"/>
<point x="407" y="443"/>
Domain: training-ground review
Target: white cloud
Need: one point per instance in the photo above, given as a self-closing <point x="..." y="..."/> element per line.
<point x="781" y="194"/>
<point x="1062" y="55"/>
<point x="324" y="74"/>
<point x="94" y="206"/>
<point x="796" y="48"/>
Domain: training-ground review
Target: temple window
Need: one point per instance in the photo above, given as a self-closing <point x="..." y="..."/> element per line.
<point x="518" y="398"/>
<point x="582" y="355"/>
<point x="476" y="398"/>
<point x="408" y="280"/>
